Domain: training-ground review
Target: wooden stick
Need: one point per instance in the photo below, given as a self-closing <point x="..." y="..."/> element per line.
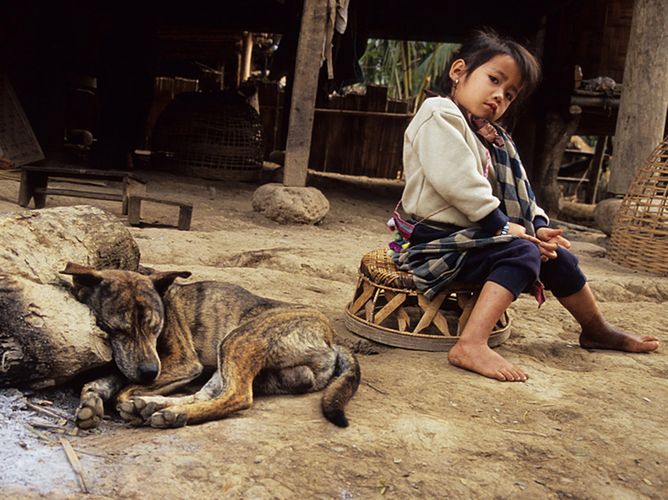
<point x="50" y="412"/>
<point x="44" y="425"/>
<point x="376" y="388"/>
<point x="74" y="462"/>
<point x="530" y="433"/>
<point x="41" y="435"/>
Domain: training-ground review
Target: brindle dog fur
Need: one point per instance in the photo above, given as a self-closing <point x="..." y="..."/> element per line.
<point x="164" y="335"/>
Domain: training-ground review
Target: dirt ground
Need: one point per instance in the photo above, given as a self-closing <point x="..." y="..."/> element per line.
<point x="586" y="425"/>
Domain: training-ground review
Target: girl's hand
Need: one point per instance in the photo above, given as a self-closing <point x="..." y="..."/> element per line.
<point x="521" y="232"/>
<point x="548" y="249"/>
<point x="550" y="239"/>
<point x="553" y="236"/>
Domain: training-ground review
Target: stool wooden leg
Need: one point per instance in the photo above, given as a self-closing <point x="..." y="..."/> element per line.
<point x="466" y="301"/>
<point x="403" y="319"/>
<point x="430" y="309"/>
<point x="134" y="210"/>
<point x="367" y="292"/>
<point x="131" y="187"/>
<point x="394" y="302"/>
<point x="185" y="216"/>
<point x="25" y="189"/>
<point x="30" y="182"/>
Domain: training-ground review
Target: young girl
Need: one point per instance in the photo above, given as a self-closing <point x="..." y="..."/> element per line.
<point x="477" y="219"/>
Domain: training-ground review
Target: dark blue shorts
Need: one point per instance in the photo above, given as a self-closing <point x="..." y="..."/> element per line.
<point x="515" y="265"/>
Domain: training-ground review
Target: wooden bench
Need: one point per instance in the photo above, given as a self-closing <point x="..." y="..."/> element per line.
<point x="134" y="210"/>
<point x="35" y="184"/>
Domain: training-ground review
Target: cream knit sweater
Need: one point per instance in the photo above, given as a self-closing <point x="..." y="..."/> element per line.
<point x="444" y="167"/>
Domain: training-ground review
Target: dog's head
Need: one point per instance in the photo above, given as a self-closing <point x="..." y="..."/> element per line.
<point x="128" y="306"/>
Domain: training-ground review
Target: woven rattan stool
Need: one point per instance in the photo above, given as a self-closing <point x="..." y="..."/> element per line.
<point x="387" y="308"/>
<point x="640" y="229"/>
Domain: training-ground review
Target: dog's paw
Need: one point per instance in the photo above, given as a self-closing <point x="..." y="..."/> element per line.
<point x="168" y="418"/>
<point x="139" y="409"/>
<point x="90" y="411"/>
<point x="129" y="412"/>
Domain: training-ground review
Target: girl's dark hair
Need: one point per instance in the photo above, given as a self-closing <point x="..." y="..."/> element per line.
<point x="483" y="45"/>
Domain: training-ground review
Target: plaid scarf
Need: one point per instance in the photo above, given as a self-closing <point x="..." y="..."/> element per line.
<point x="435" y="264"/>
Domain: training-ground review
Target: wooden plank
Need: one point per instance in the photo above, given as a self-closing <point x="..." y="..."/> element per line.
<point x="164" y="201"/>
<point x="596" y="169"/>
<point x="90" y="173"/>
<point x="308" y="62"/>
<point x="358" y="112"/>
<point x="79" y="194"/>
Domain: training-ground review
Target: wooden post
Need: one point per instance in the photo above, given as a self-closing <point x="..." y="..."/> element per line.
<point x="558" y="130"/>
<point x="642" y="109"/>
<point x="302" y="106"/>
<point x="247" y="56"/>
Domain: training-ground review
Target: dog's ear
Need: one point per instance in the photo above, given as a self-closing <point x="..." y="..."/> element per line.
<point x="82" y="275"/>
<point x="163" y="280"/>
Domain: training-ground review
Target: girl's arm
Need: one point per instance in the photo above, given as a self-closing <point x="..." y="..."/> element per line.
<point x="452" y="168"/>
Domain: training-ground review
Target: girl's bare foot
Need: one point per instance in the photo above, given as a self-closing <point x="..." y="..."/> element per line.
<point x="608" y="337"/>
<point x="481" y="359"/>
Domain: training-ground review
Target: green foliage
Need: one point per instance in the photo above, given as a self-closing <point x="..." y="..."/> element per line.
<point x="406" y="67"/>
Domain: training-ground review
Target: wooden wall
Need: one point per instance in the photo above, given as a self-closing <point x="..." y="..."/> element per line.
<point x="354" y="135"/>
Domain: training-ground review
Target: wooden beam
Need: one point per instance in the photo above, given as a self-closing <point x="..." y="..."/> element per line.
<point x="246" y="65"/>
<point x="302" y="106"/>
<point x="642" y="108"/>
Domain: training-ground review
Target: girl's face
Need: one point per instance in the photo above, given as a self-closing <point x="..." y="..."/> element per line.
<point x="489" y="89"/>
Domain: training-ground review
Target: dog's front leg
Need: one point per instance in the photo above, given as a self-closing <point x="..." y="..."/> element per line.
<point x="172" y="377"/>
<point x="94" y="394"/>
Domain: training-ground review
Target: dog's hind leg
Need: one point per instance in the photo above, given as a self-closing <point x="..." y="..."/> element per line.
<point x="237" y="395"/>
<point x="293" y="380"/>
<point x="241" y="356"/>
<point x="148" y="405"/>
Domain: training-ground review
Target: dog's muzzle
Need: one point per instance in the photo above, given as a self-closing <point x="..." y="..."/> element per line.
<point x="147" y="372"/>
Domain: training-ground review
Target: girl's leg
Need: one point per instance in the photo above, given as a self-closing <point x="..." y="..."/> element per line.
<point x="506" y="270"/>
<point x="597" y="333"/>
<point x="471" y="351"/>
<point x="564" y="277"/>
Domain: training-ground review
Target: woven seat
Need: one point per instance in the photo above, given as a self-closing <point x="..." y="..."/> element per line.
<point x="387" y="308"/>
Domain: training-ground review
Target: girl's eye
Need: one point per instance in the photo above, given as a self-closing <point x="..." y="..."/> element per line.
<point x="493" y="79"/>
<point x="510" y="96"/>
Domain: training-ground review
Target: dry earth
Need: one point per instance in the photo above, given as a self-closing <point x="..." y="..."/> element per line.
<point x="586" y="425"/>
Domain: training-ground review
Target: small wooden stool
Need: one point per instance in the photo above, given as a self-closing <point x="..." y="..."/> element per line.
<point x="134" y="210"/>
<point x="35" y="184"/>
<point x="387" y="308"/>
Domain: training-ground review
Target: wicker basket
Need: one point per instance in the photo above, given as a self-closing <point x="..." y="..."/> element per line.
<point x="387" y="308"/>
<point x="215" y="135"/>
<point x="640" y="229"/>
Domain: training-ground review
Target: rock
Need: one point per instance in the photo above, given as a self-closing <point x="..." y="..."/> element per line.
<point x="287" y="204"/>
<point x="604" y="214"/>
<point x="46" y="335"/>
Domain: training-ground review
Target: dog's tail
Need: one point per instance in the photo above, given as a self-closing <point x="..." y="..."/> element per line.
<point x="342" y="388"/>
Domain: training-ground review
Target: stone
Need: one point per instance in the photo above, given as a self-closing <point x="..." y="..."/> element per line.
<point x="47" y="337"/>
<point x="605" y="212"/>
<point x="289" y="204"/>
